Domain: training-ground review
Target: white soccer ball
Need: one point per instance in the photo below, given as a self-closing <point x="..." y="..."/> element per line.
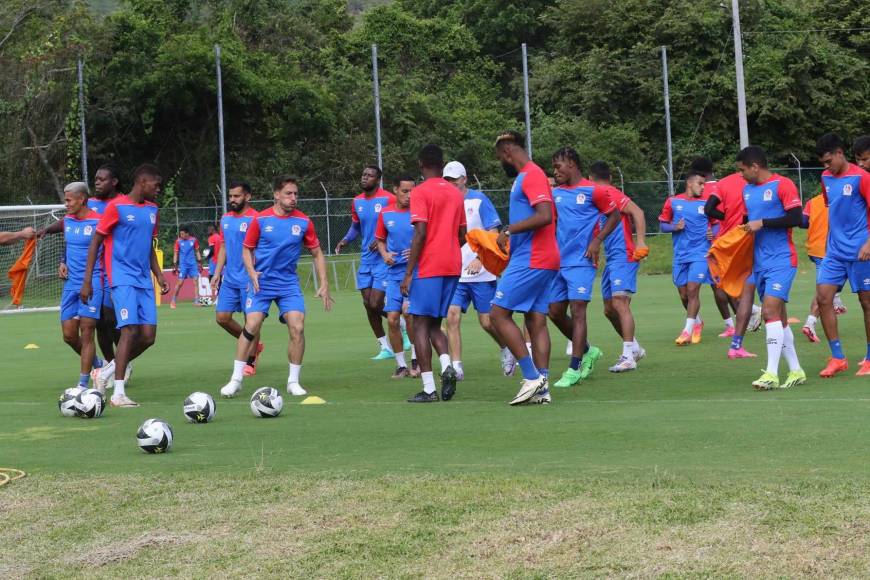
<point x="90" y="403"/>
<point x="206" y="301"/>
<point x="199" y="408"/>
<point x="67" y="401"/>
<point x="154" y="436"/>
<point x="266" y="402"/>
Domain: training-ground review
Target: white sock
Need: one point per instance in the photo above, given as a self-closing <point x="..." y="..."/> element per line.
<point x="238" y="370"/>
<point x="698" y="319"/>
<point x="775" y="337"/>
<point x="690" y="325"/>
<point x="628" y="349"/>
<point x="635" y="345"/>
<point x="444" y="359"/>
<point x="119" y="388"/>
<point x="729" y="322"/>
<point x="811" y="321"/>
<point x="402" y="323"/>
<point x="505" y="350"/>
<point x="428" y="382"/>
<point x="294" y="373"/>
<point x="457" y="366"/>
<point x="384" y="344"/>
<point x="788" y="350"/>
<point x="756" y="309"/>
<point x="413" y="352"/>
<point x="400" y="360"/>
<point x="529" y="347"/>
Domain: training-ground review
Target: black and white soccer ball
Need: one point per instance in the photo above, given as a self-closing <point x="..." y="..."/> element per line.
<point x="266" y="402"/>
<point x="90" y="403"/>
<point x="154" y="436"/>
<point x="67" y="401"/>
<point x="205" y="301"/>
<point x="199" y="408"/>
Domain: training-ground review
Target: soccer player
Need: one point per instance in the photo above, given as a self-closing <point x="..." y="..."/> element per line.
<point x="128" y="227"/>
<point x="526" y="283"/>
<point x="773" y="207"/>
<point x="393" y="234"/>
<point x="476" y="284"/>
<point x="433" y="269"/>
<point x="861" y="151"/>
<point x="230" y="279"/>
<point x="370" y="278"/>
<point x="8" y="238"/>
<point x="271" y="249"/>
<point x="683" y="215"/>
<point x="213" y="240"/>
<point x="619" y="278"/>
<point x="78" y="321"/>
<point x="846" y="188"/>
<point x="185" y="262"/>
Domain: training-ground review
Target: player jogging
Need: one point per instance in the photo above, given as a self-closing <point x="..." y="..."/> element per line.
<point x="476" y="284"/>
<point x="272" y="246"/>
<point x="619" y="277"/>
<point x="370" y="278"/>
<point x="128" y="227"/>
<point x="773" y="207"/>
<point x="214" y="241"/>
<point x="846" y="188"/>
<point x="230" y="278"/>
<point x="433" y="269"/>
<point x="185" y="262"/>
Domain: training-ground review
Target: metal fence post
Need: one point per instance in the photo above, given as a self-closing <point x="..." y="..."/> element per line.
<point x="526" y="100"/>
<point x="377" y="96"/>
<point x="84" y="137"/>
<point x="328" y="219"/>
<point x="800" y="176"/>
<point x="220" y="107"/>
<point x="668" y="120"/>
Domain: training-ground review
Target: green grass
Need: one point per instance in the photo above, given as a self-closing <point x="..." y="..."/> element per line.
<point x="678" y="468"/>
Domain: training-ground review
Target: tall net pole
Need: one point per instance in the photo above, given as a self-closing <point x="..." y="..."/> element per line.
<point x="738" y="69"/>
<point x="377" y="94"/>
<point x="526" y="100"/>
<point x="670" y="144"/>
<point x="220" y="107"/>
<point x="84" y="137"/>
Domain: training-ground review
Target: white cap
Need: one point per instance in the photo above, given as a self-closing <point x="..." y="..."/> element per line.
<point x="454" y="170"/>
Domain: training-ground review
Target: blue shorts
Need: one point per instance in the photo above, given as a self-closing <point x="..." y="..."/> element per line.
<point x="431" y="296"/>
<point x="574" y="283"/>
<point x="230" y="299"/>
<point x="71" y="305"/>
<point x="211" y="268"/>
<point x="775" y="282"/>
<point x="134" y="305"/>
<point x="107" y="297"/>
<point x="619" y="278"/>
<point x="478" y="293"/>
<point x="524" y="289"/>
<point x="188" y="271"/>
<point x="288" y="300"/>
<point x="697" y="272"/>
<point x="394" y="299"/>
<point x="835" y="272"/>
<point x="372" y="276"/>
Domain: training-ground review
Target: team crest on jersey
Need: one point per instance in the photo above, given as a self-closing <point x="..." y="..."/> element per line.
<point x="248" y="302"/>
<point x="243" y="227"/>
<point x="153" y="218"/>
<point x="768" y="194"/>
<point x="701" y="209"/>
<point x="296" y="230"/>
<point x="88" y="230"/>
<point x="378" y="208"/>
<point x="124" y="314"/>
<point x="581" y="198"/>
<point x="847" y="189"/>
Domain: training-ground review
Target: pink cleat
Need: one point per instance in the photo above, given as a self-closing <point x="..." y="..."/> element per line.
<point x="727" y="333"/>
<point x="810" y="333"/>
<point x="250" y="371"/>
<point x="740" y="353"/>
<point x="172" y="305"/>
<point x="685" y="339"/>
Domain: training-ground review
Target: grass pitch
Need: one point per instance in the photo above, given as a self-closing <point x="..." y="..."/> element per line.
<point x="677" y="468"/>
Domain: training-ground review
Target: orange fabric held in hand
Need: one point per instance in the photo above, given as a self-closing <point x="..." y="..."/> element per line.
<point x="641" y="253"/>
<point x="18" y="272"/>
<point x="483" y="243"/>
<point x="730" y="260"/>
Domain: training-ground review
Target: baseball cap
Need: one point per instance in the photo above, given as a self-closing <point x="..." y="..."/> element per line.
<point x="454" y="170"/>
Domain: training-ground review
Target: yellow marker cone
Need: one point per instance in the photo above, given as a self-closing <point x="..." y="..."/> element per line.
<point x="31" y="346"/>
<point x="313" y="400"/>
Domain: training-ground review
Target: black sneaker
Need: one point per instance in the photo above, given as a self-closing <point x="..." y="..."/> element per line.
<point x="448" y="383"/>
<point x="401" y="373"/>
<point x="424" y="397"/>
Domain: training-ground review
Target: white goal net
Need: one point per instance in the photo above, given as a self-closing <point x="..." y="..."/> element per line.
<point x="43" y="287"/>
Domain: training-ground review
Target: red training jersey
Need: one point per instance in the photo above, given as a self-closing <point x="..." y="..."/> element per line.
<point x="442" y="207"/>
<point x="729" y="192"/>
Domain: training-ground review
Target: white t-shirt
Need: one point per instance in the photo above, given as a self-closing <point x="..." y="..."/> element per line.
<point x="480" y="214"/>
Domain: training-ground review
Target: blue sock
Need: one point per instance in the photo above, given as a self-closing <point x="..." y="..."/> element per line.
<point x="737" y="342"/>
<point x="530" y="373"/>
<point x="544" y="372"/>
<point x="83" y="380"/>
<point x="575" y="362"/>
<point x="836" y="349"/>
<point x="868" y="352"/>
<point x="98" y="362"/>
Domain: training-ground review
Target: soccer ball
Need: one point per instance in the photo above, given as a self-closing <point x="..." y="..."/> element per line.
<point x="199" y="408"/>
<point x="206" y="301"/>
<point x="154" y="436"/>
<point x="90" y="403"/>
<point x="266" y="402"/>
<point x="67" y="401"/>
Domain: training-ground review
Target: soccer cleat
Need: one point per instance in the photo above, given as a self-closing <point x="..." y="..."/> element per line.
<point x="414" y="371"/>
<point x="529" y="389"/>
<point x="231" y="389"/>
<point x="541" y="398"/>
<point x="727" y="333"/>
<point x="639" y="354"/>
<point x="172" y="305"/>
<point x="105" y="377"/>
<point x="766" y="382"/>
<point x="794" y="379"/>
<point x="384" y="354"/>
<point x="569" y="378"/>
<point x="696" y="333"/>
<point x="123" y="401"/>
<point x="835" y="366"/>
<point x="589" y="359"/>
<point x="250" y="370"/>
<point x="448" y="383"/>
<point x="863" y="368"/>
<point x="839" y="307"/>
<point x="406" y="342"/>
<point x="424" y="397"/>
<point x="623" y="365"/>
<point x="754" y="320"/>
<point x="296" y="389"/>
<point x="685" y="339"/>
<point x="810" y="333"/>
<point x="401" y="373"/>
<point x="460" y="375"/>
<point x="508" y="363"/>
<point x="741" y="352"/>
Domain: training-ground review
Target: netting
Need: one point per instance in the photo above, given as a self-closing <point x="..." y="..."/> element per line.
<point x="43" y="285"/>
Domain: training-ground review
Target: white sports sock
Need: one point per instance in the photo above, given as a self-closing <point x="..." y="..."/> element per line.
<point x="428" y="382"/>
<point x="238" y="370"/>
<point x="729" y="322"/>
<point x="384" y="344"/>
<point x="788" y="349"/>
<point x="529" y="347"/>
<point x="457" y="366"/>
<point x="628" y="349"/>
<point x="811" y="321"/>
<point x="505" y="350"/>
<point x="119" y="388"/>
<point x="635" y="345"/>
<point x="295" y="370"/>
<point x="690" y="325"/>
<point x="444" y="359"/>
<point x="413" y="352"/>
<point x="756" y="309"/>
<point x="400" y="360"/>
<point x="698" y="319"/>
<point x="775" y="337"/>
<point x="402" y="323"/>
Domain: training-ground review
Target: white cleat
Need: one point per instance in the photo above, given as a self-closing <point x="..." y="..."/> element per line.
<point x="623" y="365"/>
<point x="105" y="378"/>
<point x="639" y="354"/>
<point x="296" y="389"/>
<point x="231" y="389"/>
<point x="529" y="389"/>
<point x="508" y="363"/>
<point x="542" y="397"/>
<point x="123" y="401"/>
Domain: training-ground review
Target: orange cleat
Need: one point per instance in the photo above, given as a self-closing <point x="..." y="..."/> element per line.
<point x="685" y="339"/>
<point x="696" y="333"/>
<point x="835" y="366"/>
<point x="727" y="333"/>
<point x="250" y="370"/>
<point x="864" y="368"/>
